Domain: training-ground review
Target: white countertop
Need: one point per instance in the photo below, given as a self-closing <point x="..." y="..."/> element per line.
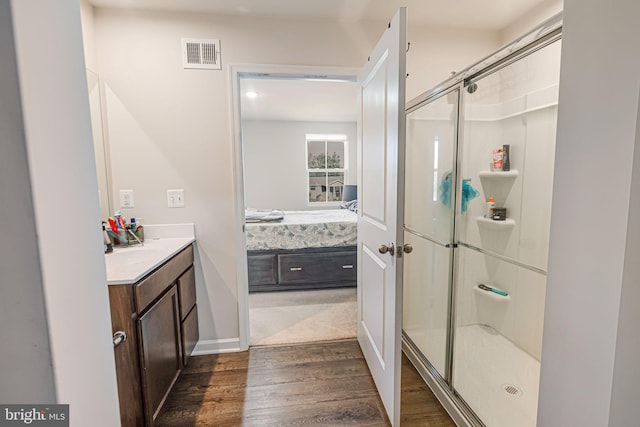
<point x="130" y="264"/>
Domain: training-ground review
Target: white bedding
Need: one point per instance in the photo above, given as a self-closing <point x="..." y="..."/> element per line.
<point x="305" y="229"/>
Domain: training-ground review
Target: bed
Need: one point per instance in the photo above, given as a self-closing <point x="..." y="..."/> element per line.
<point x="302" y="250"/>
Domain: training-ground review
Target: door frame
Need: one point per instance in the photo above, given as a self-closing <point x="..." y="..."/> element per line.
<point x="236" y="72"/>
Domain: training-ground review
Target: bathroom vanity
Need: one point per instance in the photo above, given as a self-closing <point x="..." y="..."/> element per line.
<point x="155" y="322"/>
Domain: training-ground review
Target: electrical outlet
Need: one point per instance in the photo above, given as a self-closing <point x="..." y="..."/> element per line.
<point x="126" y="199"/>
<point x="175" y="198"/>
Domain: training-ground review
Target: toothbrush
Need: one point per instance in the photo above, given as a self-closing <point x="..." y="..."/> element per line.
<point x="494" y="290"/>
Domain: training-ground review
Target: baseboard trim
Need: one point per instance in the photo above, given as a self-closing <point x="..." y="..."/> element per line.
<point x="227" y="345"/>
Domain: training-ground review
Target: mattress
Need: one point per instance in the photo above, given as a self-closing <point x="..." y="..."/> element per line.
<point x="304" y="229"/>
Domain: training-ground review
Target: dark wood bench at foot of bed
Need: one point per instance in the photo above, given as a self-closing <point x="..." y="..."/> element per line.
<point x="298" y="269"/>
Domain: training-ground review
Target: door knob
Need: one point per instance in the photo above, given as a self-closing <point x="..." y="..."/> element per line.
<point x="119" y="337"/>
<point x="407" y="248"/>
<point x="383" y="249"/>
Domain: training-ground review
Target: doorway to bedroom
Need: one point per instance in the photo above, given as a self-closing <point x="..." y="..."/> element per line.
<point x="298" y="134"/>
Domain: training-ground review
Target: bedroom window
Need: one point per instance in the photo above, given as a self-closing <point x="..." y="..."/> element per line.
<point x="326" y="168"/>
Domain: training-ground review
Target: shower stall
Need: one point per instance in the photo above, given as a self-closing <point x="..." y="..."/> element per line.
<point x="474" y="285"/>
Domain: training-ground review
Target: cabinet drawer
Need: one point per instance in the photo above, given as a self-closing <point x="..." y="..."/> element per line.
<point x="317" y="267"/>
<point x="154" y="285"/>
<point x="187" y="292"/>
<point x="190" y="334"/>
<point x="262" y="269"/>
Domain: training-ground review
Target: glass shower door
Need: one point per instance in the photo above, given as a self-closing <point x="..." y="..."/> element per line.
<point x="501" y="259"/>
<point x="431" y="145"/>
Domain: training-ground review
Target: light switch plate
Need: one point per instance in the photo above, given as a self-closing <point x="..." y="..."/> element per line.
<point x="126" y="199"/>
<point x="175" y="198"/>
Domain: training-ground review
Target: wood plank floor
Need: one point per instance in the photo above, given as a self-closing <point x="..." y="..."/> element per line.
<point x="323" y="384"/>
<point x="418" y="406"/>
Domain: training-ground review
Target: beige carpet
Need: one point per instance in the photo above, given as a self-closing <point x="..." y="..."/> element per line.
<point x="302" y="316"/>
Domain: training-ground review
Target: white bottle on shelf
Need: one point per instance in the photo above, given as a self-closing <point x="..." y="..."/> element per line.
<point x="488" y="213"/>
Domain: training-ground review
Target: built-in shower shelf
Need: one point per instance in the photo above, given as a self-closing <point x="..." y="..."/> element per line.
<point x="507" y="224"/>
<point x="513" y="173"/>
<point x="491" y="295"/>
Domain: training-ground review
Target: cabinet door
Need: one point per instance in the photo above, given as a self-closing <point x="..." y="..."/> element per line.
<point x="190" y="334"/>
<point x="187" y="292"/>
<point x="159" y="332"/>
<point x="123" y="318"/>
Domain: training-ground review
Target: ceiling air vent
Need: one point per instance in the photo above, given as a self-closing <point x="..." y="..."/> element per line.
<point x="201" y="53"/>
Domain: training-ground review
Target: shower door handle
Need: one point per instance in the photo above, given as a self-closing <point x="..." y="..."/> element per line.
<point x="119" y="337"/>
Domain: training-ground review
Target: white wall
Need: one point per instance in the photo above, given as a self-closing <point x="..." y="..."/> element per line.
<point x="435" y="52"/>
<point x="531" y="20"/>
<point x="88" y="35"/>
<point x="624" y="410"/>
<point x="589" y="373"/>
<point x="55" y="107"/>
<point x="275" y="156"/>
<point x="170" y="128"/>
<point x="25" y="356"/>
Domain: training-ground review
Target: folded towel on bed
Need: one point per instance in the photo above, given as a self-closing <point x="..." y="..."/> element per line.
<point x="352" y="205"/>
<point x="263" y="215"/>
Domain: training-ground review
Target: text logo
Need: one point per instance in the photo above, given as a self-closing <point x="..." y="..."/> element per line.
<point x="35" y="415"/>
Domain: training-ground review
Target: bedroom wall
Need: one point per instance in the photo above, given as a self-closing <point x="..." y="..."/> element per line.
<point x="275" y="174"/>
<point x="171" y="128"/>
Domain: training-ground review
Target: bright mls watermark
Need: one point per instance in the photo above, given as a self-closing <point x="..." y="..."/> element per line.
<point x="36" y="415"/>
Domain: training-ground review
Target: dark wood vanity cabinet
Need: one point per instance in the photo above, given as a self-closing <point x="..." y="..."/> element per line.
<point x="159" y="316"/>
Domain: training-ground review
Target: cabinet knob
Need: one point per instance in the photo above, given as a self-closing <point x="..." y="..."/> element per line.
<point x="407" y="248"/>
<point x="391" y="249"/>
<point x="118" y="338"/>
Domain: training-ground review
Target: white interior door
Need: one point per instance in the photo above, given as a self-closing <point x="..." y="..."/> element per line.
<point x="381" y="144"/>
